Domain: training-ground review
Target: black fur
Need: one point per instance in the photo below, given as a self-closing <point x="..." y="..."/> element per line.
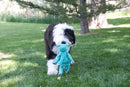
<point x="70" y="34"/>
<point x="48" y="39"/>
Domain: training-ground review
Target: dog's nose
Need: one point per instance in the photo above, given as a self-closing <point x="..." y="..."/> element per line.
<point x="63" y="42"/>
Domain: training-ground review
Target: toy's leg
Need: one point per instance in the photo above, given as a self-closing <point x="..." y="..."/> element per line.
<point x="67" y="68"/>
<point x="61" y="70"/>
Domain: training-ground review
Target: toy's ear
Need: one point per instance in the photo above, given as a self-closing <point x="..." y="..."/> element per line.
<point x="58" y="45"/>
<point x="67" y="45"/>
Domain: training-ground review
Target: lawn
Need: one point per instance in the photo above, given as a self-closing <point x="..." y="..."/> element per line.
<point x="102" y="58"/>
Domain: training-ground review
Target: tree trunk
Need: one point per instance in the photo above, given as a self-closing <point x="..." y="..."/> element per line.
<point x="83" y="18"/>
<point x="84" y="25"/>
<point x="99" y="21"/>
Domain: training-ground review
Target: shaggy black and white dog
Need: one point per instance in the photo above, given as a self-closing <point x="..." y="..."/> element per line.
<point x="59" y="33"/>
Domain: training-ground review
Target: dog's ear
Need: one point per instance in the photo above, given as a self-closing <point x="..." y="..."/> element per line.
<point x="71" y="35"/>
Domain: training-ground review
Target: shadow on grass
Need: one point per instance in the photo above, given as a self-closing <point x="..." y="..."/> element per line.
<point x="119" y="21"/>
<point x="29" y="64"/>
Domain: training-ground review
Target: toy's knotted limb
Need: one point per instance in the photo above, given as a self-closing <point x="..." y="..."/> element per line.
<point x="67" y="66"/>
<point x="61" y="69"/>
<point x="57" y="59"/>
<point x="70" y="58"/>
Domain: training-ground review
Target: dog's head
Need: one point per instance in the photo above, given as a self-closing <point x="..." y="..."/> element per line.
<point x="63" y="34"/>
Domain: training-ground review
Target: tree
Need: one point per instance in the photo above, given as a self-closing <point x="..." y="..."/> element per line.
<point x="85" y="10"/>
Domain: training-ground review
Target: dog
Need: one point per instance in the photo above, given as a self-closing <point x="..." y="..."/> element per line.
<point x="55" y="34"/>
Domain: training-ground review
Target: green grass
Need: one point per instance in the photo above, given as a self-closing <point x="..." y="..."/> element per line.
<point x="119" y="21"/>
<point x="102" y="59"/>
<point x="118" y="13"/>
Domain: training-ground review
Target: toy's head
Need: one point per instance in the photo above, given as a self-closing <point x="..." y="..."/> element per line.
<point x="63" y="47"/>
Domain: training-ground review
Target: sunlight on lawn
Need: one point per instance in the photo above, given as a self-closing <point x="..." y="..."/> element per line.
<point x="108" y="40"/>
<point x="126" y="36"/>
<point x="12" y="80"/>
<point x="3" y="55"/>
<point x="7" y="62"/>
<point x="124" y="25"/>
<point x="113" y="50"/>
<point x="7" y="66"/>
<point x="30" y="64"/>
<point x="36" y="41"/>
<point x="121" y="25"/>
<point x="39" y="54"/>
<point x="114" y="31"/>
<point x="43" y="30"/>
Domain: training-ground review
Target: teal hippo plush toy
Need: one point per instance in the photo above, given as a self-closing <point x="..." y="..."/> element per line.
<point x="64" y="59"/>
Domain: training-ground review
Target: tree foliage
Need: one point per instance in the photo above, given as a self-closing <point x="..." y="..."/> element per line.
<point x="68" y="7"/>
<point x="82" y="9"/>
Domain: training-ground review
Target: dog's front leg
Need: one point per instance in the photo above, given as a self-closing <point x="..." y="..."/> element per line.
<point x="52" y="69"/>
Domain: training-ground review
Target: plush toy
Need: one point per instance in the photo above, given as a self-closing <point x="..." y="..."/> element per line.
<point x="63" y="59"/>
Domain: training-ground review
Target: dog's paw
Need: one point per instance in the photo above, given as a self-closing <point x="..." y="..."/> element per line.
<point x="52" y="69"/>
<point x="52" y="72"/>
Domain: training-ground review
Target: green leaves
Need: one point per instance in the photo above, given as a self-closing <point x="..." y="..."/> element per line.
<point x="66" y="8"/>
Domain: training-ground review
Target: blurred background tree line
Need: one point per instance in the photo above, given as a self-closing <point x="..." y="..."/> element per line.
<point x="89" y="13"/>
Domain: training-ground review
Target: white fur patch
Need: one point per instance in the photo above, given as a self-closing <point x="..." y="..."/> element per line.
<point x="55" y="49"/>
<point x="58" y="33"/>
<point x="52" y="69"/>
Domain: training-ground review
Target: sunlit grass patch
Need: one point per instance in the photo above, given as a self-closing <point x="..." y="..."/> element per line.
<point x="30" y="64"/>
<point x="112" y="50"/>
<point x="7" y="62"/>
<point x="108" y="40"/>
<point x="6" y="67"/>
<point x="119" y="21"/>
<point x="10" y="81"/>
<point x="118" y="14"/>
<point x="3" y="55"/>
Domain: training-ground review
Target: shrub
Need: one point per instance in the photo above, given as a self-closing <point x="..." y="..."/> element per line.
<point x="46" y="19"/>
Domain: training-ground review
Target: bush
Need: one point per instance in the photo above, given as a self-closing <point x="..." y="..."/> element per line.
<point x="46" y="19"/>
